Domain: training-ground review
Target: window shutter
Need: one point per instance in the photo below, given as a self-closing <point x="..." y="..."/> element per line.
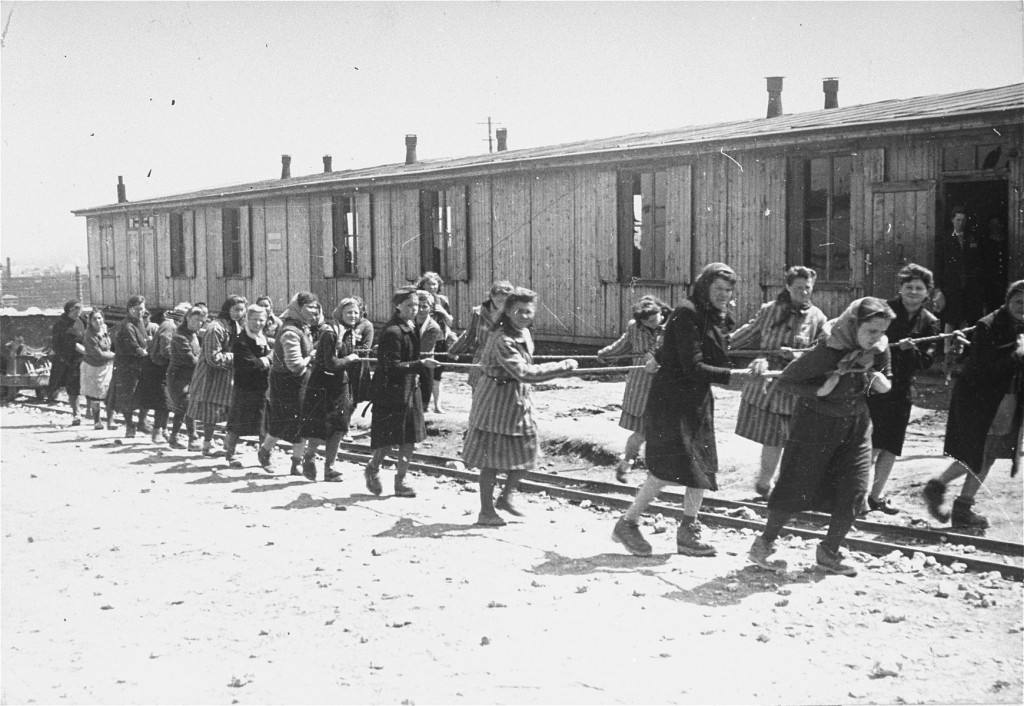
<point x="188" y="228"/>
<point x="163" y="236"/>
<point x="364" y="236"/>
<point x="458" y="249"/>
<point x="678" y="222"/>
<point x="607" y="227"/>
<point x="327" y="236"/>
<point x="409" y="232"/>
<point x="215" y="224"/>
<point x="244" y="242"/>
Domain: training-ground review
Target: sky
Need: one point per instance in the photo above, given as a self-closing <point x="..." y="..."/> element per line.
<point x="176" y="97"/>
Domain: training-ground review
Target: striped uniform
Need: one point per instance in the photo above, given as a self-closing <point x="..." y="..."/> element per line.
<point x="210" y="392"/>
<point x="765" y="414"/>
<point x="640" y="342"/>
<point x="502" y="433"/>
<point x="474" y="338"/>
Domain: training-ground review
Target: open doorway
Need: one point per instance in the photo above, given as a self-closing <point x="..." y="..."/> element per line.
<point x="987" y="206"/>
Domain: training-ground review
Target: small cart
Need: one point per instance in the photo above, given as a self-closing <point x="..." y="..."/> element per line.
<point x="24" y="368"/>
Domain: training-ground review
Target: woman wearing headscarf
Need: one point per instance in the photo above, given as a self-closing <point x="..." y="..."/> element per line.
<point x="130" y="341"/>
<point x="328" y="404"/>
<point x="641" y="340"/>
<point x="184" y="355"/>
<point x="481" y="323"/>
<point x="397" y="403"/>
<point x="210" y="392"/>
<point x="679" y="418"/>
<point x="502" y="434"/>
<point x="251" y="369"/>
<point x="890" y="412"/>
<point x="827" y="459"/>
<point x="289" y="372"/>
<point x="985" y="411"/>
<point x="791" y="322"/>
<point x="97" y="367"/>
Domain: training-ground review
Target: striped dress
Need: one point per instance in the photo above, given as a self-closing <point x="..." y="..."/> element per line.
<point x="765" y="413"/>
<point x="640" y="342"/>
<point x="210" y="393"/>
<point x="502" y="433"/>
<point x="474" y="338"/>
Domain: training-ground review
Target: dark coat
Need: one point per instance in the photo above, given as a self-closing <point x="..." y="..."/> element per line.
<point x="991" y="370"/>
<point x="397" y="405"/>
<point x="328" y="402"/>
<point x="251" y="373"/>
<point x="679" y="418"/>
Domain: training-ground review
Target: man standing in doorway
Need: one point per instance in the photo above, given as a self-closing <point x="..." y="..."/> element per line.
<point x="957" y="264"/>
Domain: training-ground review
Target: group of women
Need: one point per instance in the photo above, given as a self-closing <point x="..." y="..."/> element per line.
<point x="829" y="401"/>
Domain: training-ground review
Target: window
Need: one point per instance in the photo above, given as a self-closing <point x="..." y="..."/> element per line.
<point x="821" y="215"/>
<point x="107" y="251"/>
<point x="178" y="263"/>
<point x="136" y="222"/>
<point x="435" y="231"/>
<point x="231" y="238"/>
<point x="345" y="229"/>
<point x="641" y="224"/>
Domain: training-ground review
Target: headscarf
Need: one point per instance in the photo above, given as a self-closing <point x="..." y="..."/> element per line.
<point x="842" y="334"/>
<point x="702" y="287"/>
<point x="294" y="311"/>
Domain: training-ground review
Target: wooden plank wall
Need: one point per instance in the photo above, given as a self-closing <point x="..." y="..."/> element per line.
<point x="552" y="262"/>
<point x="1015" y="226"/>
<point x="94" y="247"/>
<point x="510" y="241"/>
<point x="275" y="222"/>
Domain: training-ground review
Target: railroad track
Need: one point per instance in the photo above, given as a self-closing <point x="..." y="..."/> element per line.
<point x="875" y="538"/>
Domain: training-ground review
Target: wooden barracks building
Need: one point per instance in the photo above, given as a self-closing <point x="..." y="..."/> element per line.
<point x="854" y="192"/>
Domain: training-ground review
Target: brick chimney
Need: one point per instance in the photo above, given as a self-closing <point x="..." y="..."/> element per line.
<point x="831" y="88"/>
<point x="286" y="166"/>
<point x="774" y="96"/>
<point x="121" y="198"/>
<point x="502" y="134"/>
<point x="327" y="164"/>
<point x="410" y="149"/>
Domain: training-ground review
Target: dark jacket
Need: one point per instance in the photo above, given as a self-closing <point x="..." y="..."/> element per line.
<point x="397" y="405"/>
<point x="251" y="363"/>
<point x="67" y="332"/>
<point x="992" y="370"/>
<point x="679" y="418"/>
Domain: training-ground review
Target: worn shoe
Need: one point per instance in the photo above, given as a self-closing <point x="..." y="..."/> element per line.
<point x="263" y="457"/>
<point x="761" y="553"/>
<point x="211" y="451"/>
<point x="76" y="422"/>
<point x="689" y="542"/>
<point x="194" y="445"/>
<point x="331" y="476"/>
<point x="372" y="479"/>
<point x="111" y="426"/>
<point x="296" y="469"/>
<point x="628" y="535"/>
<point x="156" y="437"/>
<point x="175" y="443"/>
<point x="934" y="494"/>
<point x="834" y="562"/>
<point x="129" y="431"/>
<point x="233" y="461"/>
<point x="490" y="520"/>
<point x="402" y="490"/>
<point x="504" y="503"/>
<point x="145" y="427"/>
<point x="882" y="506"/>
<point x="309" y="469"/>
<point x="965" y="518"/>
<point x="763" y="489"/>
<point x="98" y="426"/>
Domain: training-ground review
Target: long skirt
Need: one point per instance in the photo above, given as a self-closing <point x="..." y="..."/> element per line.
<point x="284" y="410"/>
<point x="327" y="406"/>
<point x="246" y="416"/>
<point x="680" y="431"/>
<point x="397" y="414"/>
<point x="762" y="425"/>
<point x="96" y="380"/>
<point x="65" y="374"/>
<point x="178" y="381"/>
<point x="122" y="394"/>
<point x="503" y="452"/>
<point x="826" y="463"/>
<point x="152" y="391"/>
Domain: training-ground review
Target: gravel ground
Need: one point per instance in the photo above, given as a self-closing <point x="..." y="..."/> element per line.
<point x="138" y="574"/>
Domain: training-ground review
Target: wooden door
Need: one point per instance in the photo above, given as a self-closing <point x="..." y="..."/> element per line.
<point x="902" y="231"/>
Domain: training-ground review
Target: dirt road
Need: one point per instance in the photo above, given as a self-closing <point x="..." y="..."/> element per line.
<point x="133" y="574"/>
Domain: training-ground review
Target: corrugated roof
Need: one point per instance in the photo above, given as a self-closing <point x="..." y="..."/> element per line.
<point x="924" y="108"/>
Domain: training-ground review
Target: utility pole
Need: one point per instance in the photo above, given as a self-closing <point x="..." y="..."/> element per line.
<point x="490" y="134"/>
